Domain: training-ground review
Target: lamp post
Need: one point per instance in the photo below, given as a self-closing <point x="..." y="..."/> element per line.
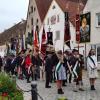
<point x="49" y="28"/>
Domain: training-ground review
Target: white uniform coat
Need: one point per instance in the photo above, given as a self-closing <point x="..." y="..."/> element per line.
<point x="91" y="67"/>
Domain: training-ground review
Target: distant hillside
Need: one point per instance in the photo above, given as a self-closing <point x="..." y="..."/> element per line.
<point x="14" y="31"/>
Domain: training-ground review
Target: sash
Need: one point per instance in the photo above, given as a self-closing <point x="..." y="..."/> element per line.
<point x="74" y="69"/>
<point x="69" y="67"/>
<point x="92" y="60"/>
<point x="58" y="66"/>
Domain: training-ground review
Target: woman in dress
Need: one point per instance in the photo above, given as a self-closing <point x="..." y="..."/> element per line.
<point x="92" y="68"/>
<point x="60" y="72"/>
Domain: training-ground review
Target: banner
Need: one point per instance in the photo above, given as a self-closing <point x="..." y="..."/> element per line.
<point x="50" y="38"/>
<point x="67" y="36"/>
<point x="77" y="28"/>
<point x="22" y="42"/>
<point x="85" y="27"/>
<point x="36" y="42"/>
<point x="43" y="44"/>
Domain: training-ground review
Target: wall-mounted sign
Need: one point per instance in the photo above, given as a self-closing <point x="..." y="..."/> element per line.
<point x="85" y="27"/>
<point x="53" y="19"/>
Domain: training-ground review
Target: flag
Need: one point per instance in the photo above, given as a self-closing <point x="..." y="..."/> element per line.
<point x="22" y="42"/>
<point x="68" y="43"/>
<point x="43" y="37"/>
<point x="17" y="45"/>
<point x="77" y="28"/>
<point x="35" y="41"/>
<point x="8" y="49"/>
<point x="50" y="38"/>
<point x="13" y="44"/>
<point x="67" y="36"/>
<point x="43" y="44"/>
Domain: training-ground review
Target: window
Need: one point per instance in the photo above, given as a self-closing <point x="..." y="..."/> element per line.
<point x="98" y="53"/>
<point x="31" y="21"/>
<point x="93" y="47"/>
<point x="27" y="26"/>
<point x="53" y="19"/>
<point x="37" y="21"/>
<point x="58" y="18"/>
<point x="53" y="7"/>
<point x="98" y="19"/>
<point x="37" y="28"/>
<point x="48" y="21"/>
<point x="57" y="35"/>
<point x="29" y="14"/>
<point x="31" y="9"/>
<point x="34" y="9"/>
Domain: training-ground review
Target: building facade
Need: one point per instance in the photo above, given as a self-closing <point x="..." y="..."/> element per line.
<point x="55" y="21"/>
<point x="52" y="19"/>
<point x="94" y="8"/>
<point x="35" y="15"/>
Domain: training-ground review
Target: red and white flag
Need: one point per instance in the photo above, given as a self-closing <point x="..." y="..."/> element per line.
<point x="43" y="43"/>
<point x="77" y="28"/>
<point x="35" y="41"/>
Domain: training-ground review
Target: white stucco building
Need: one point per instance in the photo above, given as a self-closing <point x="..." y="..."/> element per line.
<point x="93" y="6"/>
<point x="55" y="21"/>
<point x="56" y="13"/>
<point x="37" y="10"/>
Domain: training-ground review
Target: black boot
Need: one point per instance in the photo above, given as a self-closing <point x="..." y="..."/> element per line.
<point x="64" y="83"/>
<point x="60" y="91"/>
<point x="92" y="87"/>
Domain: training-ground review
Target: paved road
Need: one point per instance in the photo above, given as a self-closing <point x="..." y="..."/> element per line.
<point x="51" y="94"/>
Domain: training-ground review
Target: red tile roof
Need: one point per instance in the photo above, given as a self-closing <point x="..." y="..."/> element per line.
<point x="72" y="6"/>
<point x="66" y="5"/>
<point x="43" y="6"/>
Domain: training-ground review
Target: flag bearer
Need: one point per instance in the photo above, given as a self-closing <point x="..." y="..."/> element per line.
<point x="76" y="71"/>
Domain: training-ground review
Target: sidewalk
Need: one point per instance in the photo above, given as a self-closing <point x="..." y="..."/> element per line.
<point x="51" y="94"/>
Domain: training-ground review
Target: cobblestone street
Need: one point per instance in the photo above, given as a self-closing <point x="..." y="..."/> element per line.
<point x="51" y="94"/>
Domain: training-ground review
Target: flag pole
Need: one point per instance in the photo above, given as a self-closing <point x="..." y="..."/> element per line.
<point x="79" y="26"/>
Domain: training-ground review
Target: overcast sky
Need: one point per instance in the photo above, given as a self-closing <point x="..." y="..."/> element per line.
<point x="11" y="12"/>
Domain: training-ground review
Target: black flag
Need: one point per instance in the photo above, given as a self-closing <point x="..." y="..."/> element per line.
<point x="49" y="38"/>
<point x="67" y="36"/>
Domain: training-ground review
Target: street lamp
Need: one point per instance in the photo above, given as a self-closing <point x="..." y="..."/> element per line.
<point x="49" y="28"/>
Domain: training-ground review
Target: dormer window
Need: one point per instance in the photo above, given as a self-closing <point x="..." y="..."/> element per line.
<point x="31" y="21"/>
<point x="31" y="9"/>
<point x="53" y="7"/>
<point x="34" y="9"/>
<point x="37" y="21"/>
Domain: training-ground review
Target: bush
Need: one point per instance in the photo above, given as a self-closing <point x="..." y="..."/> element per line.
<point x="8" y="87"/>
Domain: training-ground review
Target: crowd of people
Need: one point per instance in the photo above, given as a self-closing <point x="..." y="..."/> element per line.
<point x="60" y="67"/>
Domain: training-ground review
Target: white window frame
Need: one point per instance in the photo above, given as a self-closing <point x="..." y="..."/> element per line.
<point x="57" y="35"/>
<point x="97" y="52"/>
<point x="95" y="46"/>
<point x="97" y="14"/>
